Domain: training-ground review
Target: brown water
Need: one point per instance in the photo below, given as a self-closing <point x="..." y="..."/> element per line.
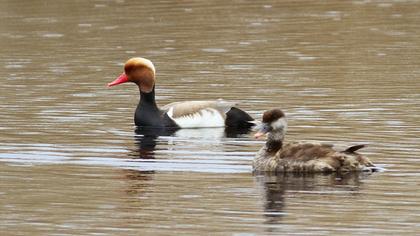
<point x="345" y="72"/>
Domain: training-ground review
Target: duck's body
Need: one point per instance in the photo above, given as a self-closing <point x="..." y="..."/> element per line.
<point x="190" y="114"/>
<point x="309" y="158"/>
<point x="303" y="157"/>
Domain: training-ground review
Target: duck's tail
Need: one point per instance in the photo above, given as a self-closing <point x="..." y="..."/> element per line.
<point x="236" y="118"/>
<point x="354" y="148"/>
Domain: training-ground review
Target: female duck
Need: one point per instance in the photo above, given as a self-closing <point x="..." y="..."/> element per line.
<point x="300" y="157"/>
<point x="191" y="114"/>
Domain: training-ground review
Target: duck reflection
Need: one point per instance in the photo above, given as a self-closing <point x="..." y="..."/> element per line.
<point x="146" y="137"/>
<point x="138" y="181"/>
<point x="146" y="140"/>
<point x="274" y="188"/>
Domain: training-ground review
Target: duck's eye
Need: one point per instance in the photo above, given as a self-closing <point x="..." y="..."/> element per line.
<point x="264" y="128"/>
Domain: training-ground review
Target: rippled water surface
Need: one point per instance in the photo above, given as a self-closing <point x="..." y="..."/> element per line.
<point x="345" y="72"/>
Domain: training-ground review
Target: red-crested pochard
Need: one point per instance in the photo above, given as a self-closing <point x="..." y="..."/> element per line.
<point x="302" y="157"/>
<point x="190" y="114"/>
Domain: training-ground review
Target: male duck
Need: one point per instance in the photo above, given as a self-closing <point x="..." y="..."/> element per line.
<point x="190" y="114"/>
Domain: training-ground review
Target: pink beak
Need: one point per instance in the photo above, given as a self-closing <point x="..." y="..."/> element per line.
<point x="121" y="79"/>
<point x="259" y="135"/>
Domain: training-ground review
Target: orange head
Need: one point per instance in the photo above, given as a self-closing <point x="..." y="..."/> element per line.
<point x="139" y="71"/>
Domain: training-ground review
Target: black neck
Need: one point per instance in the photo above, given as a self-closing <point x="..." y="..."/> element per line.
<point x="147" y="112"/>
<point x="148" y="98"/>
<point x="273" y="145"/>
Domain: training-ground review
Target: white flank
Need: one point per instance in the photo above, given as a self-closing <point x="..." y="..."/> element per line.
<point x="205" y="118"/>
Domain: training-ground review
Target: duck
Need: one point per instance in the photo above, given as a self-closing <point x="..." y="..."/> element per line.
<point x="302" y="157"/>
<point x="187" y="114"/>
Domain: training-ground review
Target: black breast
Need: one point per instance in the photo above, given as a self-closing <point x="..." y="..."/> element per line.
<point x="148" y="114"/>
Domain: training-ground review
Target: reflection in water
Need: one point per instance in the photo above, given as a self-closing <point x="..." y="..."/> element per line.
<point x="146" y="137"/>
<point x="212" y="133"/>
<point x="138" y="181"/>
<point x="232" y="132"/>
<point x="275" y="188"/>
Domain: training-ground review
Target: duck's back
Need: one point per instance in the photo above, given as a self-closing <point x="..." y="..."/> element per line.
<point x="300" y="151"/>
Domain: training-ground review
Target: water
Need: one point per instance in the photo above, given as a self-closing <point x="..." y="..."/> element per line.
<point x="345" y="72"/>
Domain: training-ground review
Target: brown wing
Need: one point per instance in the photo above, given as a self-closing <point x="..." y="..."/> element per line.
<point x="305" y="151"/>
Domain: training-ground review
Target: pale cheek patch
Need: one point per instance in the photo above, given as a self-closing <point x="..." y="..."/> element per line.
<point x="280" y="124"/>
